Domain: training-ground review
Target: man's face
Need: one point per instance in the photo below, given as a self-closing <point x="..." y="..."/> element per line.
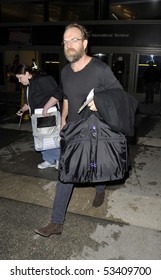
<point x="74" y="44"/>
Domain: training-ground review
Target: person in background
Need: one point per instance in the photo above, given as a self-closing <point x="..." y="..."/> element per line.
<point x="151" y="77"/>
<point x="16" y="62"/>
<point x="43" y="92"/>
<point x="82" y="74"/>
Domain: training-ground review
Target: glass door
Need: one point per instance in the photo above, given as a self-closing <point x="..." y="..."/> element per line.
<point x="120" y="66"/>
<point x="143" y="63"/>
<point x="119" y="63"/>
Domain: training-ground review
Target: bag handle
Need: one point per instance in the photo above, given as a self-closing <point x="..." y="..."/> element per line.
<point x="27" y="98"/>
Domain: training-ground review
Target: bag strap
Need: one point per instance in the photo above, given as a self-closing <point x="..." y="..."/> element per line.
<point x="27" y="98"/>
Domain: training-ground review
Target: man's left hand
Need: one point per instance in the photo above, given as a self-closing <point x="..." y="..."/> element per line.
<point x="92" y="106"/>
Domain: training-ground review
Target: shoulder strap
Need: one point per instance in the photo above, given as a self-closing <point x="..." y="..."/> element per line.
<point x="27" y="98"/>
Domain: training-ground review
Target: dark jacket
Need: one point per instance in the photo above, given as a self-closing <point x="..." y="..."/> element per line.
<point x="117" y="108"/>
<point x="41" y="89"/>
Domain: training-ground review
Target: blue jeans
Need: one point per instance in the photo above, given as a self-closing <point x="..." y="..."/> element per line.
<point x="51" y="155"/>
<point x="61" y="201"/>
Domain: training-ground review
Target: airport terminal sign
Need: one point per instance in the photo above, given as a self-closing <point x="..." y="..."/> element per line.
<point x="110" y="34"/>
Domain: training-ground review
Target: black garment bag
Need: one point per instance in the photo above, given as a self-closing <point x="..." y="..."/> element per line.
<point x="92" y="152"/>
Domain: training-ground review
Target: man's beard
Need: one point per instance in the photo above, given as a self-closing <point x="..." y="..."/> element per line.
<point x="75" y="56"/>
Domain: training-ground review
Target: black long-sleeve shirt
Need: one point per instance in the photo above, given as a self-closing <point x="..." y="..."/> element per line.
<point x="41" y="89"/>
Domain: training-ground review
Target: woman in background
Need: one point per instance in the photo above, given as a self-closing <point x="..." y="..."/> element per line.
<point x="41" y="91"/>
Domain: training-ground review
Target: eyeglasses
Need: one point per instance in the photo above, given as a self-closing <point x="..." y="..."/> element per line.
<point x="72" y="41"/>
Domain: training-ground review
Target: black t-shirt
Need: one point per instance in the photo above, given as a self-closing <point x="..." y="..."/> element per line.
<point x="77" y="85"/>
